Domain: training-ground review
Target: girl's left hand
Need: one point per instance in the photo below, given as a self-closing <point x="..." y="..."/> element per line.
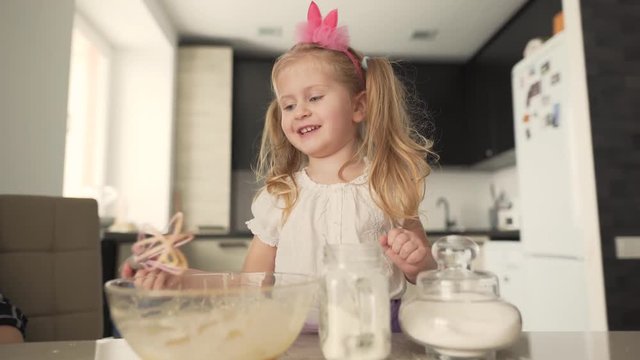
<point x="408" y="250"/>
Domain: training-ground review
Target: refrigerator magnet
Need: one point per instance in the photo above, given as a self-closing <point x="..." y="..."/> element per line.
<point x="555" y="78"/>
<point x="527" y="133"/>
<point x="545" y="68"/>
<point x="525" y="118"/>
<point x="533" y="91"/>
<point x="555" y="120"/>
<point x="548" y="119"/>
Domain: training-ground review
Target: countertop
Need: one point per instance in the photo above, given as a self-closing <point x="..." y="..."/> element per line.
<point x="498" y="235"/>
<point x="533" y="346"/>
<point x="495" y="235"/>
<point x="133" y="236"/>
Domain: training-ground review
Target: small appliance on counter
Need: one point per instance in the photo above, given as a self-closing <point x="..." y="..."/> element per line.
<point x="508" y="219"/>
<point x="500" y="208"/>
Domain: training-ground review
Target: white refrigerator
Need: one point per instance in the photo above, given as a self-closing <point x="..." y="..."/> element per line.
<point x="559" y="227"/>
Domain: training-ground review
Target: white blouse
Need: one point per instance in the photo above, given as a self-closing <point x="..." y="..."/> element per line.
<point x="323" y="214"/>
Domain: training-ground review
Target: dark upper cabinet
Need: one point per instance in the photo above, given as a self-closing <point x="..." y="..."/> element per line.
<point x="488" y="109"/>
<point x="437" y="104"/>
<point x="488" y="78"/>
<point x="251" y="97"/>
<point x="466" y="110"/>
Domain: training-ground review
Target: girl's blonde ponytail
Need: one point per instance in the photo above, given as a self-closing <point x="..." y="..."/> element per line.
<point x="397" y="152"/>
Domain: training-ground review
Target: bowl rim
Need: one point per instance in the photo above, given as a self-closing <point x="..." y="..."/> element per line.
<point x="111" y="288"/>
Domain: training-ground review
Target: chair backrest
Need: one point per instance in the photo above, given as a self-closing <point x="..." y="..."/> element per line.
<point x="50" y="265"/>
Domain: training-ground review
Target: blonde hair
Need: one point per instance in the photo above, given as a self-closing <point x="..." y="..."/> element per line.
<point x="396" y="152"/>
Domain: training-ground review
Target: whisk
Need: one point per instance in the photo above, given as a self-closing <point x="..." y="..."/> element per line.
<point x="154" y="250"/>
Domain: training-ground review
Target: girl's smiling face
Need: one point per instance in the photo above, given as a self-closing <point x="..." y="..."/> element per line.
<point x="319" y="115"/>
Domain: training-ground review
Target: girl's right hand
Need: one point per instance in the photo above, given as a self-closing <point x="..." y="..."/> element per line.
<point x="126" y="271"/>
<point x="150" y="279"/>
<point x="155" y="280"/>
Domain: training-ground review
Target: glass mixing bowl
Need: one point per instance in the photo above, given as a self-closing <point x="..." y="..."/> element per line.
<point x="213" y="315"/>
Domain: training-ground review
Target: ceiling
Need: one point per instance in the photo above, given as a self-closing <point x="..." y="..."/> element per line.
<point x="124" y="24"/>
<point x="376" y="27"/>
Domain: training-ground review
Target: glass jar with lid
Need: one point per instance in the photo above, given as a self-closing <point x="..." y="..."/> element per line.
<point x="458" y="313"/>
<point x="354" y="303"/>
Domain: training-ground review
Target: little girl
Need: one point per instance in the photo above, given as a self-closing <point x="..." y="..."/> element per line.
<point x="339" y="159"/>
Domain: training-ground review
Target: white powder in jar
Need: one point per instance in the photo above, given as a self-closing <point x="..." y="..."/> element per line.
<point x="472" y="324"/>
<point x="344" y="340"/>
<point x="355" y="325"/>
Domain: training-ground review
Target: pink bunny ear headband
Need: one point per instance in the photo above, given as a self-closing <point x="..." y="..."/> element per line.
<point x="326" y="34"/>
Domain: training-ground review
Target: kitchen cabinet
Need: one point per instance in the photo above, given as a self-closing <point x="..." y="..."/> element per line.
<point x="436" y="98"/>
<point x="506" y="259"/>
<point x="218" y="254"/>
<point x="488" y="110"/>
<point x="251" y="97"/>
<point x="202" y="168"/>
<point x="488" y="99"/>
<point x="556" y="288"/>
<point x="464" y="108"/>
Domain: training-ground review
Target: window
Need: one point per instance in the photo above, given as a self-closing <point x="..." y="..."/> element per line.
<point x="85" y="157"/>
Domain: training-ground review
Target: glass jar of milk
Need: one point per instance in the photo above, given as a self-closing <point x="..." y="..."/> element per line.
<point x="354" y="303"/>
<point x="458" y="313"/>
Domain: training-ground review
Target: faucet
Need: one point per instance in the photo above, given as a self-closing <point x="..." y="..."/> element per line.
<point x="449" y="222"/>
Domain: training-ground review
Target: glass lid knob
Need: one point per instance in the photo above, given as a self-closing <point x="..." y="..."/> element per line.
<point x="455" y="252"/>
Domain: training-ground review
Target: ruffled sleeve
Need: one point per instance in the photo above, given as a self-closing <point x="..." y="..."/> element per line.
<point x="266" y="218"/>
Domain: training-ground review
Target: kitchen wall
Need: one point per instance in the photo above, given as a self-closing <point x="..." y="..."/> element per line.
<point x="469" y="196"/>
<point x="140" y="141"/>
<point x="34" y="73"/>
<point x="611" y="33"/>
